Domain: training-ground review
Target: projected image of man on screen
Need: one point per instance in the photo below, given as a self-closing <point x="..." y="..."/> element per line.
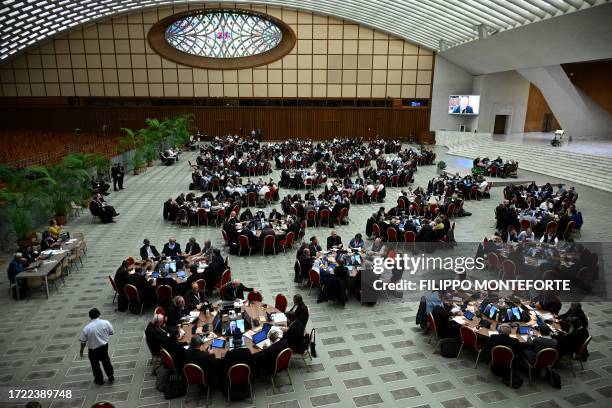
<point x="463" y="106"/>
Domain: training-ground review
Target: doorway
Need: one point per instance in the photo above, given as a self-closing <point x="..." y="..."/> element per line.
<point x="499" y="128"/>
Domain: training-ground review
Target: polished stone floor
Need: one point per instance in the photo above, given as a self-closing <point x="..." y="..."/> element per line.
<point x="367" y="356"/>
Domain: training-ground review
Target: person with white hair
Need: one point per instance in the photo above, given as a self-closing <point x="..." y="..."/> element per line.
<point x="156" y="335"/>
<point x="235" y="290"/>
<point x="271" y="352"/>
<point x="17" y="265"/>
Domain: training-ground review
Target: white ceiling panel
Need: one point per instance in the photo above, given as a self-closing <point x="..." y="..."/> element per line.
<point x="424" y="22"/>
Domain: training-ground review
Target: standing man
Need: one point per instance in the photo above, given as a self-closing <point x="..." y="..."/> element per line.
<point x="117" y="173"/>
<point x="96" y="336"/>
<point x="120" y="173"/>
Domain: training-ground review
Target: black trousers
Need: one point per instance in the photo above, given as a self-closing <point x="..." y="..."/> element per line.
<point x="115" y="182"/>
<point x="96" y="356"/>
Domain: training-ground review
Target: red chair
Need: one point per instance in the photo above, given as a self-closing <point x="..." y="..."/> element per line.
<point x="225" y="239"/>
<point x="269" y="243"/>
<point x="501" y="355"/>
<point x="450" y="210"/>
<point x="409" y="236"/>
<point x="376" y="230"/>
<point x="508" y="270"/>
<point x="551" y="227"/>
<point x="493" y="171"/>
<point x="267" y="197"/>
<point x="251" y="199"/>
<point x="215" y="184"/>
<point x="239" y="374"/>
<point x="164" y="294"/>
<point x="432" y="208"/>
<point x="254" y="297"/>
<point x="201" y="285"/>
<point x="114" y="285"/>
<point x="220" y="216"/>
<point x="243" y="242"/>
<point x="167" y="359"/>
<point x="280" y="302"/>
<point x="395" y="180"/>
<point x="225" y="277"/>
<point x="401" y="203"/>
<point x="470" y="339"/>
<point x="343" y="215"/>
<point x="281" y="364"/>
<point x="525" y="223"/>
<point x="391" y="234"/>
<point x="324" y="216"/>
<point x="308" y="183"/>
<point x="474" y="193"/>
<point x="359" y="194"/>
<point x="293" y="211"/>
<point x="202" y="218"/>
<point x="288" y="241"/>
<point x="195" y="376"/>
<point x="374" y="196"/>
<point x="315" y="279"/>
<point x="131" y="292"/>
<point x="159" y="310"/>
<point x="493" y="261"/>
<point x="383" y="180"/>
<point x="546" y="358"/>
<point x="311" y="217"/>
<point x="103" y="404"/>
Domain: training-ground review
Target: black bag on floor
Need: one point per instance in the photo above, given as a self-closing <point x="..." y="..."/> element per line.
<point x="163" y="378"/>
<point x="176" y="387"/>
<point x="449" y="348"/>
<point x="517" y="381"/>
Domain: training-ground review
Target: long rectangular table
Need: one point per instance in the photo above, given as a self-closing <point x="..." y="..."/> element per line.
<point x="43" y="268"/>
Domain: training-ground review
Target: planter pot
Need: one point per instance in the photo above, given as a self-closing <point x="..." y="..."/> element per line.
<point x="24" y="243"/>
<point x="61" y="219"/>
<point x="136" y="171"/>
<point x="150" y="163"/>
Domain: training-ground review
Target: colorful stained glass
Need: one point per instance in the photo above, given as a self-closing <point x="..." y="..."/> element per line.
<point x="223" y="34"/>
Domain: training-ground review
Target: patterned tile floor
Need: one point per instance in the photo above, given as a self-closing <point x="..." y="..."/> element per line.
<point x="368" y="357"/>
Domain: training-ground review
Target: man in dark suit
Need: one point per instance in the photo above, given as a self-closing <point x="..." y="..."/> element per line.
<point x="341" y="272"/>
<point x="269" y="354"/>
<point x="165" y="279"/>
<point x="334" y="240"/>
<point x="235" y="290"/>
<point x="306" y="262"/>
<point x="171" y="248"/>
<point x="203" y="359"/>
<point x="503" y="339"/>
<point x="212" y="274"/>
<point x="314" y="246"/>
<point x="137" y="279"/>
<point x="121" y="279"/>
<point x="194" y="299"/>
<point x="192" y="248"/>
<point x="194" y="275"/>
<point x="156" y="335"/>
<point x="148" y="251"/>
<point x="294" y="332"/>
<point x="176" y="312"/>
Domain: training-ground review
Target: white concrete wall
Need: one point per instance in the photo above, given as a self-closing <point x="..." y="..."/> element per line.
<point x="449" y="79"/>
<point x="577" y="113"/>
<point x="503" y="93"/>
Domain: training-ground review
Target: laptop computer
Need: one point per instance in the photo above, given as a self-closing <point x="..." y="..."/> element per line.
<point x="260" y="339"/>
<point x="218" y="343"/>
<point x="468" y="315"/>
<point x="181" y="274"/>
<point x="524" y="329"/>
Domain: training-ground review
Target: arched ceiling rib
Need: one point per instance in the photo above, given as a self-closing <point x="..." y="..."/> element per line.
<point x="24" y="23"/>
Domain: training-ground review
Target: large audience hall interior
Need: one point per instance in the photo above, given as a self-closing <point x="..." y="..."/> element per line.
<point x="305" y="204"/>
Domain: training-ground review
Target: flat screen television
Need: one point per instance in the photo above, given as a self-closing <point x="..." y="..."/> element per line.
<point x="464" y="104"/>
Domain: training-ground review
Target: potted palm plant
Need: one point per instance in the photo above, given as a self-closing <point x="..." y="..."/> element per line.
<point x="441" y="166"/>
<point x="138" y="161"/>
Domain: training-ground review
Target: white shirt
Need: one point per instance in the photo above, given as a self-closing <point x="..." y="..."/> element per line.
<point x="369" y="189"/>
<point x="97" y="333"/>
<point x="150" y="253"/>
<point x="483" y="186"/>
<point x="263" y="190"/>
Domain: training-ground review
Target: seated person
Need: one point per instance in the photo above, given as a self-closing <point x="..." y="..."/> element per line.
<point x="306" y="262"/>
<point x="570" y="343"/>
<point x="314" y="246"/>
<point x="194" y="299"/>
<point x="202" y="358"/>
<point x="334" y="240"/>
<point x="192" y="248"/>
<point x="503" y="339"/>
<point x="54" y="229"/>
<point x="156" y="335"/>
<point x="176" y="312"/>
<point x="235" y="290"/>
<point x="271" y="352"/>
<point x="136" y="278"/>
<point x="535" y="344"/>
<point x="171" y="248"/>
<point x="48" y="242"/>
<point x="357" y="242"/>
<point x="300" y="309"/>
<point x="575" y="310"/>
<point x="294" y="333"/>
<point x="148" y="251"/>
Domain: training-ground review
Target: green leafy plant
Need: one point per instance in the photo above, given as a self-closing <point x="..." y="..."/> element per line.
<point x="441" y="165"/>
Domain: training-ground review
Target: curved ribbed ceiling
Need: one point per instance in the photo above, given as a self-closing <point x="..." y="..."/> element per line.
<point x="431" y="23"/>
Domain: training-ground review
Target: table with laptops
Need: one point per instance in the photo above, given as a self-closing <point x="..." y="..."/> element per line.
<point x="232" y="324"/>
<point x="485" y="315"/>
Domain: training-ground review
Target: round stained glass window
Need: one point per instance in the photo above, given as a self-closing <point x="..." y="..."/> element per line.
<point x="223" y="34"/>
<point x="221" y="38"/>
